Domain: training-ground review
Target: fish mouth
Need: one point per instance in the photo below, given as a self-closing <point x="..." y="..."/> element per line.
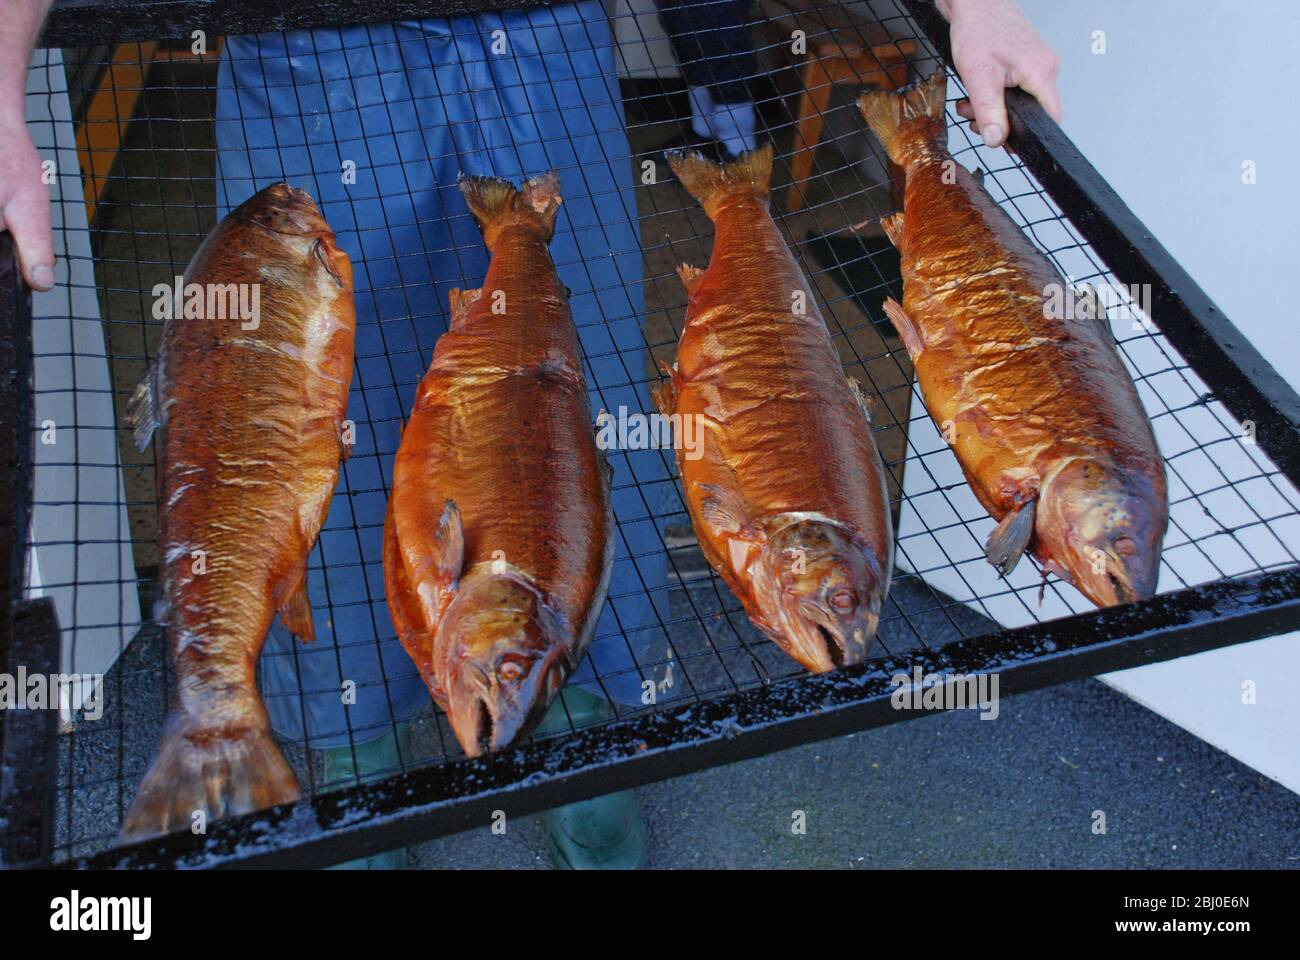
<point x="1107" y="590"/>
<point x="483" y="728"/>
<point x="834" y="649"/>
<point x="823" y="642"/>
<point x="1122" y="591"/>
<point x="1128" y="589"/>
<point x="501" y="654"/>
<point x="475" y="725"/>
<point x="1118" y="583"/>
<point x="485" y="722"/>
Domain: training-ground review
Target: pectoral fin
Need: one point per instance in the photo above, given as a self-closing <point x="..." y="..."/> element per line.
<point x="907" y="330"/>
<point x="295" y="610"/>
<point x="1089" y="308"/>
<point x="722" y="509"/>
<point x="449" y="541"/>
<point x="602" y="454"/>
<point x="432" y="551"/>
<point x="321" y="254"/>
<point x="414" y="632"/>
<point x="1010" y="538"/>
<point x="665" y="395"/>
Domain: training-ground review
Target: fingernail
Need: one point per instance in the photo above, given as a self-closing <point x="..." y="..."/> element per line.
<point x="42" y="276"/>
<point x="992" y="134"/>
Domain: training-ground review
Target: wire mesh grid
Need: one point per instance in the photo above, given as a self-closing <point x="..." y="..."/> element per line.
<point x="152" y="141"/>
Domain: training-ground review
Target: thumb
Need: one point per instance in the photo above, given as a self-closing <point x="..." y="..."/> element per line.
<point x="986" y="87"/>
<point x="27" y="217"/>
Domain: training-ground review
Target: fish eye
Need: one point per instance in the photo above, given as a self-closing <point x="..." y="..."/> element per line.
<point x="843" y="599"/>
<point x="1125" y="546"/>
<point x="511" y="670"/>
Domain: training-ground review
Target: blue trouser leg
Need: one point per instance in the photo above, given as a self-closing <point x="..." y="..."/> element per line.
<point x="714" y="45"/>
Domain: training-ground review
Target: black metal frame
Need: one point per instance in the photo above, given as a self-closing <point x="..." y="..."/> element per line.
<point x="29" y="634"/>
<point x="74" y="23"/>
<point x="783" y="714"/>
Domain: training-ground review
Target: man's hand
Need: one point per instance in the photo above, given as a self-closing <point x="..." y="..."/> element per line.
<point x="994" y="47"/>
<point x="25" y="203"/>
<point x="24" y="197"/>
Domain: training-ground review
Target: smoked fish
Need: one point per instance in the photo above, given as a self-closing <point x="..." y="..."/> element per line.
<point x="1044" y="418"/>
<point x="499" y="538"/>
<point x="788" y="495"/>
<point x="247" y="416"/>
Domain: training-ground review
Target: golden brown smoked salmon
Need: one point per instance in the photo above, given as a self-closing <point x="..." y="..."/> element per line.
<point x="247" y="416"/>
<point x="788" y="497"/>
<point x="1042" y="415"/>
<point x="499" y="538"/>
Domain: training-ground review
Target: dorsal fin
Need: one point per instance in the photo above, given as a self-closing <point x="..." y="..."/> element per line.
<point x="893" y="227"/>
<point x="460" y="301"/>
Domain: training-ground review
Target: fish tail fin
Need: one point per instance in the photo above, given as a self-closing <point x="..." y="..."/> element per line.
<point x="708" y="181"/>
<point x="543" y="195"/>
<point x="201" y="774"/>
<point x="916" y="108"/>
<point x="493" y="200"/>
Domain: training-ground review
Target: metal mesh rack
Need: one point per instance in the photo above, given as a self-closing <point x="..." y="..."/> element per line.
<point x="138" y="124"/>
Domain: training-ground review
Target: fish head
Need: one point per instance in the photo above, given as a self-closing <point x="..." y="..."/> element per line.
<point x="822" y="590"/>
<point x="1101" y="528"/>
<point x="504" y="657"/>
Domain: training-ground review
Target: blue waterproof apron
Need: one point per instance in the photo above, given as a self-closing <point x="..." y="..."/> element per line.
<point x="377" y="122"/>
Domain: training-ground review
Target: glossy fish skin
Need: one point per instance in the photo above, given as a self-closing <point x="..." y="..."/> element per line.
<point x="499" y="539"/>
<point x="1045" y="419"/>
<point x="788" y="498"/>
<point x="248" y="425"/>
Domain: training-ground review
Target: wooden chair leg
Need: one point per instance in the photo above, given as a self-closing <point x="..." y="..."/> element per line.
<point x="813" y="102"/>
<point x="884" y="64"/>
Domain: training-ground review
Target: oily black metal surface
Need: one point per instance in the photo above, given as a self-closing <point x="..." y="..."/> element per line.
<point x="16" y="439"/>
<point x="28" y="758"/>
<point x="28" y="633"/>
<point x="441" y="800"/>
<point x="74" y="23"/>
<point x="1242" y="379"/>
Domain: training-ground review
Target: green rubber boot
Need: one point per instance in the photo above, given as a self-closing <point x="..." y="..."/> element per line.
<point x="605" y="833"/>
<point x="375" y="760"/>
